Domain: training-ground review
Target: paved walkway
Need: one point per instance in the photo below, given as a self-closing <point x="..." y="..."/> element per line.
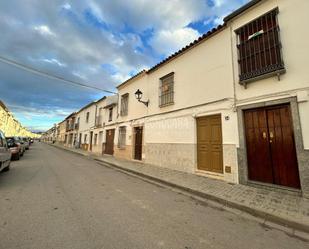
<point x="288" y="209"/>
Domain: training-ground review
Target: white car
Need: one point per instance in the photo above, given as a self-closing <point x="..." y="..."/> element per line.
<point x="5" y="154"/>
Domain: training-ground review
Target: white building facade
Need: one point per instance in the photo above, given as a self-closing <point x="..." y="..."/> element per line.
<point x="232" y="105"/>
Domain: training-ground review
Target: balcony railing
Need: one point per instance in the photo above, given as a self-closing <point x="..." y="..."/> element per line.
<point x="70" y="127"/>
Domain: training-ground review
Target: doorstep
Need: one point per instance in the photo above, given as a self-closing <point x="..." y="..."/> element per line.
<point x="270" y="205"/>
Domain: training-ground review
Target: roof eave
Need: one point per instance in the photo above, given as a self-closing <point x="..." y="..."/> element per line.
<point x="241" y="10"/>
<point x="136" y="76"/>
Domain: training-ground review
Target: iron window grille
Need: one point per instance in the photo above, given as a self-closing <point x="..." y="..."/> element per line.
<point x="259" y="48"/>
<point x="110" y="116"/>
<point x="122" y="137"/>
<point x="166" y="90"/>
<point x="124" y="104"/>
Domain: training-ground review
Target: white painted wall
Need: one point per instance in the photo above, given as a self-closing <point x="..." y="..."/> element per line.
<point x="202" y="74"/>
<point x="84" y="127"/>
<point x="135" y="109"/>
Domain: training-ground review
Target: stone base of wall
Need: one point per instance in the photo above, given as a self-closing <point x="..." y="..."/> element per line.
<point x="230" y="160"/>
<point x="174" y="156"/>
<point x="182" y="157"/>
<point x="125" y="153"/>
<point x="97" y="149"/>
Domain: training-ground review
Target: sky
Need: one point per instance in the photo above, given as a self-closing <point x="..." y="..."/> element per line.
<point x="100" y="43"/>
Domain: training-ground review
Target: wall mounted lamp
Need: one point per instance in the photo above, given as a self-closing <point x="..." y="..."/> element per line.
<point x="139" y="95"/>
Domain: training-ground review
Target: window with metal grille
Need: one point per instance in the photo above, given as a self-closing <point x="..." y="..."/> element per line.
<point x="110" y="115"/>
<point x="259" y="48"/>
<point x="124" y="104"/>
<point x="166" y="90"/>
<point x="122" y="137"/>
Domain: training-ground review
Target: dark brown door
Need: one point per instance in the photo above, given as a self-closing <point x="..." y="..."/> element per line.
<point x="109" y="144"/>
<point x="271" y="149"/>
<point x="138" y="143"/>
<point x="91" y="137"/>
<point x="209" y="144"/>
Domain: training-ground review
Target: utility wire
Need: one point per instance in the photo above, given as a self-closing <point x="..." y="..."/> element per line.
<point x="48" y="75"/>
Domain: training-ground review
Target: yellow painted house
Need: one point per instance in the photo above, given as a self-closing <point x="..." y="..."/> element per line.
<point x="11" y="126"/>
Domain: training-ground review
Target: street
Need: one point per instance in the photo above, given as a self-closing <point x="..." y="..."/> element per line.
<point x="56" y="199"/>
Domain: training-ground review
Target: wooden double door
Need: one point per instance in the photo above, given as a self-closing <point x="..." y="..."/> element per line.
<point x="138" y="144"/>
<point x="209" y="144"/>
<point x="271" y="152"/>
<point x="109" y="142"/>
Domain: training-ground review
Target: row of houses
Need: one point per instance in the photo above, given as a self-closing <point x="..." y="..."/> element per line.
<point x="10" y="126"/>
<point x="232" y="105"/>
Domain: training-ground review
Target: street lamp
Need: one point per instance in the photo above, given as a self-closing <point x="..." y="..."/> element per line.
<point x="139" y="95"/>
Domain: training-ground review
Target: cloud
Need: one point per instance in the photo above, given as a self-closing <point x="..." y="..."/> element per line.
<point x="66" y="6"/>
<point x="166" y="42"/>
<point x="44" y="30"/>
<point x="73" y="39"/>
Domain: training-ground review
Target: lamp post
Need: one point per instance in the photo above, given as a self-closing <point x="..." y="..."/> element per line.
<point x="139" y="95"/>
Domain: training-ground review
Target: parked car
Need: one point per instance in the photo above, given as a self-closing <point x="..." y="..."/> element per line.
<point x="23" y="145"/>
<point x="15" y="147"/>
<point x="26" y="143"/>
<point x="5" y="154"/>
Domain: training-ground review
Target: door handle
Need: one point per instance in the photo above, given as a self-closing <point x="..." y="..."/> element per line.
<point x="271" y="135"/>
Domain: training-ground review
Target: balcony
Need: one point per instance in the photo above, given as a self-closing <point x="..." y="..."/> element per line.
<point x="70" y="127"/>
<point x="98" y="121"/>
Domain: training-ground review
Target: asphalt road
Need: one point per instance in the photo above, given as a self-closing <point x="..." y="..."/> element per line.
<point x="56" y="199"/>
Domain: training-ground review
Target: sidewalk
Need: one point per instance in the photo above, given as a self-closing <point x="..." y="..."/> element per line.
<point x="287" y="209"/>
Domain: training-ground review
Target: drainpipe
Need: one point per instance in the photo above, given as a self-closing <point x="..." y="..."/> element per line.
<point x="233" y="67"/>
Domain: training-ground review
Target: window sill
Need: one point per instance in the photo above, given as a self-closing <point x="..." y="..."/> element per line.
<point x="165" y="105"/>
<point x="263" y="76"/>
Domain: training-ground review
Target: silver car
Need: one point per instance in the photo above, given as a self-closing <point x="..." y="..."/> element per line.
<point x="5" y="154"/>
<point x="26" y="142"/>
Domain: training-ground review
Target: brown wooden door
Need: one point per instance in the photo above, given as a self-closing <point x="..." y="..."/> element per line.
<point x="271" y="149"/>
<point x="91" y="137"/>
<point x="209" y="144"/>
<point x="259" y="159"/>
<point x="138" y="143"/>
<point x="109" y="143"/>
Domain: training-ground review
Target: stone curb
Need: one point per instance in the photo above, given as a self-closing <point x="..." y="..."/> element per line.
<point x="254" y="212"/>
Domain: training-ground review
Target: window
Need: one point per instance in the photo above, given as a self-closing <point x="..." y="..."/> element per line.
<point x="110" y="116"/>
<point x="124" y="104"/>
<point x="166" y="96"/>
<point x="87" y="117"/>
<point x="85" y="138"/>
<point x="122" y="137"/>
<point x="259" y="48"/>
